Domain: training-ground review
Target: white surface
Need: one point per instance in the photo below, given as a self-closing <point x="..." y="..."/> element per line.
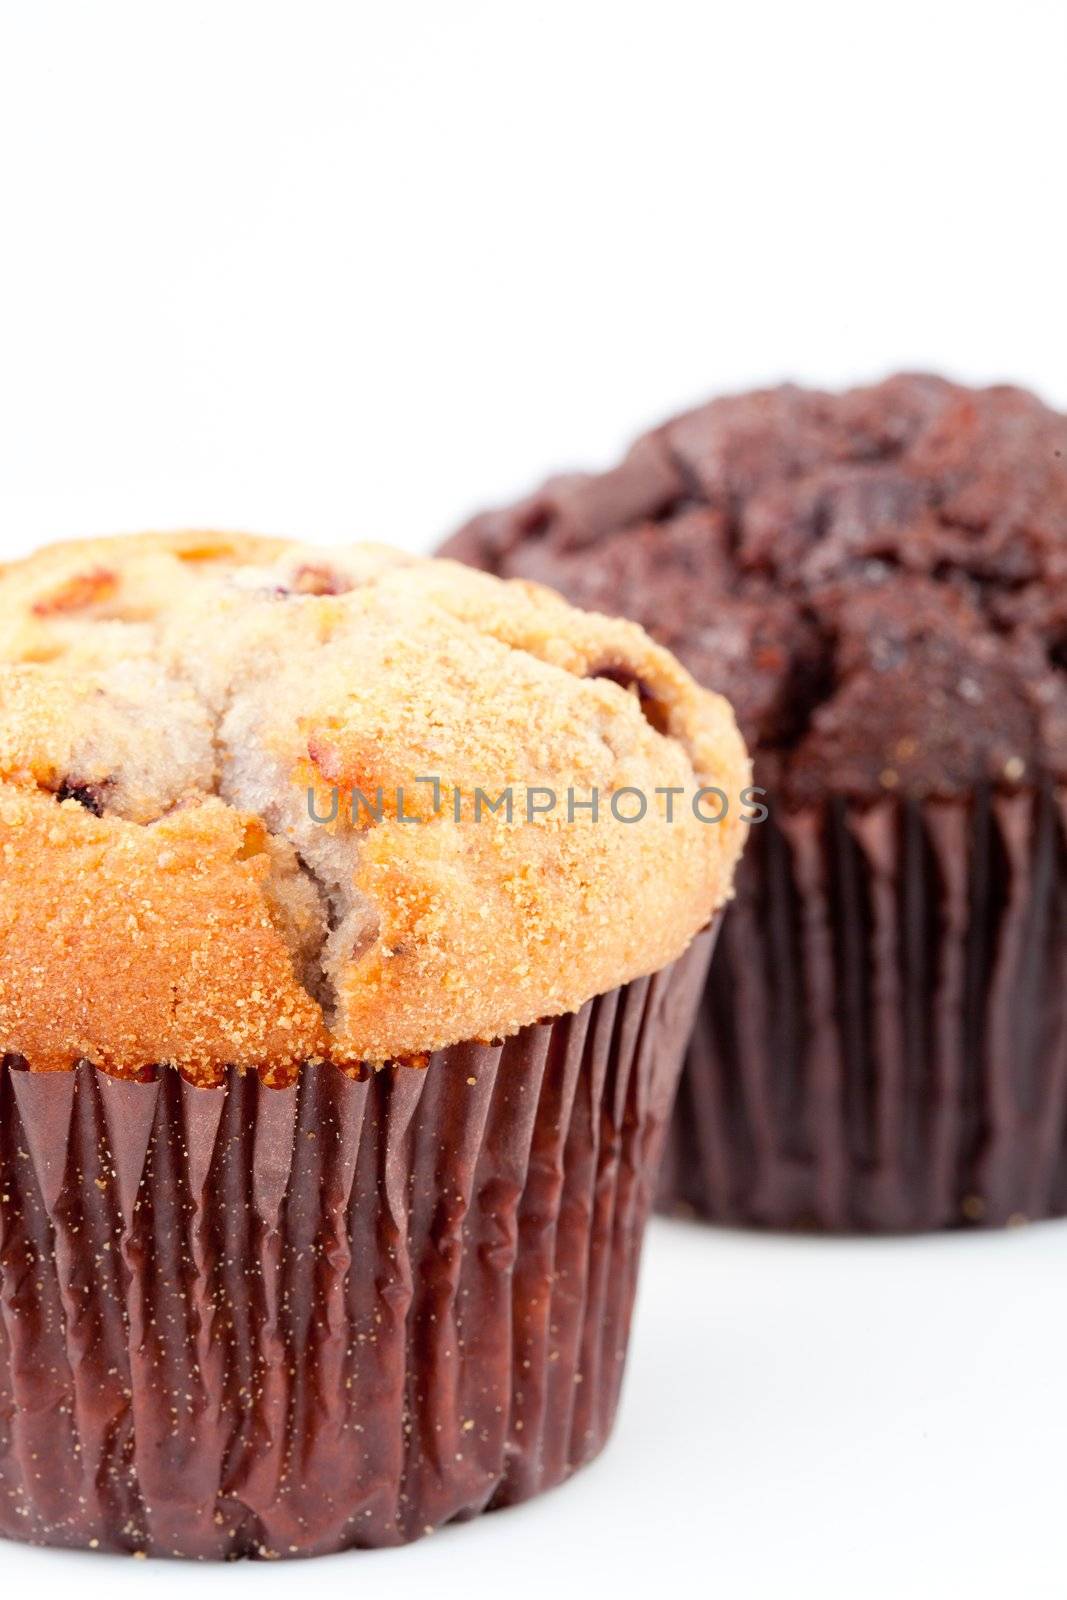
<point x="802" y="1418"/>
<point x="353" y="269"/>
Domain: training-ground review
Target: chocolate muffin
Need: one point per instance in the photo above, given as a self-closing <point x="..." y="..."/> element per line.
<point x="331" y="1097"/>
<point x="876" y="579"/>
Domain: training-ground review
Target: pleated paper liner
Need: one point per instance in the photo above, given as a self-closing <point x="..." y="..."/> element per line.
<point x="882" y="1044"/>
<point x="248" y="1321"/>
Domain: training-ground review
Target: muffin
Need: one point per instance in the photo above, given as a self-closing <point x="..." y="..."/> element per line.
<point x="332" y="1096"/>
<point x="876" y="581"/>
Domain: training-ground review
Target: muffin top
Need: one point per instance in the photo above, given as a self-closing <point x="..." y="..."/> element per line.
<point x="180" y="719"/>
<point x="875" y="579"/>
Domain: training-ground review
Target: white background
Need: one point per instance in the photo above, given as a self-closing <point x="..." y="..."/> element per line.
<point x="353" y="270"/>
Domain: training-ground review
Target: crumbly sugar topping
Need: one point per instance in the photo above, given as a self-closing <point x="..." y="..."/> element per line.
<point x="167" y="893"/>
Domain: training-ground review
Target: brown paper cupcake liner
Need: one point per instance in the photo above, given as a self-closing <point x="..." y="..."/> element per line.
<point x="882" y="1043"/>
<point x="264" y="1322"/>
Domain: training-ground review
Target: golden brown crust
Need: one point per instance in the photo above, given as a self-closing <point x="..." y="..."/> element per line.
<point x="178" y="696"/>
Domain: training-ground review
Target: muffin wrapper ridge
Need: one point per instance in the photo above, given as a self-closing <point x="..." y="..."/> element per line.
<point x="882" y="1043"/>
<point x="265" y="1322"/>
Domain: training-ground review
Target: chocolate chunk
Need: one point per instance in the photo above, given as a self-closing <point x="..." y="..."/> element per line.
<point x="89" y="795"/>
<point x="653" y="709"/>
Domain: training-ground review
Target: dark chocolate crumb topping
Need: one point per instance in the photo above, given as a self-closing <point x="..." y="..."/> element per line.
<point x="877" y="579"/>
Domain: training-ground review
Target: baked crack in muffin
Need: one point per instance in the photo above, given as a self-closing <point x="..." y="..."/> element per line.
<point x="876" y="580"/>
<point x="330" y="1106"/>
